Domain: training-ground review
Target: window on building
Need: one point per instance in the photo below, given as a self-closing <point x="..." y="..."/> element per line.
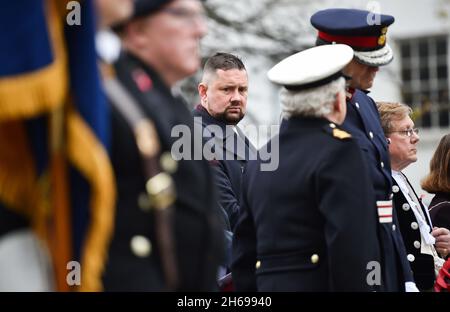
<point x="424" y="70"/>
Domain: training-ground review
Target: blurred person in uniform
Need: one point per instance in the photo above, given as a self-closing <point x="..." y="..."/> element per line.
<point x="301" y="227"/>
<point x="415" y="223"/>
<point x="366" y="32"/>
<point x="167" y="233"/>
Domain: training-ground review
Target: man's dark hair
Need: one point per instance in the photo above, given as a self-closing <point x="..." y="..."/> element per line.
<point x="223" y="61"/>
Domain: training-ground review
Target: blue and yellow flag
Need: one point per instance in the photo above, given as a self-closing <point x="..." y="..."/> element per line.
<point x="54" y="167"/>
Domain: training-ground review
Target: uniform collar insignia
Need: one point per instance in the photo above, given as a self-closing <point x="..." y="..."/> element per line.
<point x="341" y="134"/>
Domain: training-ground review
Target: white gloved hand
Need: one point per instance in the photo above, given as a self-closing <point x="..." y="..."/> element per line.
<point x="411" y="287"/>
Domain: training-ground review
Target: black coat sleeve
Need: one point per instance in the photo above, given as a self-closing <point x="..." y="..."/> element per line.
<point x="345" y="199"/>
<point x="244" y="248"/>
<point x="442" y="217"/>
<point x="227" y="197"/>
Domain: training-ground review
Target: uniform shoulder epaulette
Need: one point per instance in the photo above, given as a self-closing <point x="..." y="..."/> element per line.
<point x="341" y="134"/>
<point x="336" y="132"/>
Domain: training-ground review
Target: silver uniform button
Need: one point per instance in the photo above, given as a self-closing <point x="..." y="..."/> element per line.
<point x="141" y="246"/>
<point x="371" y="134"/>
<point x="405" y="207"/>
<point x="357" y="105"/>
<point x="410" y="258"/>
<point x="395" y="189"/>
<point x="394" y="227"/>
<point x="382" y="164"/>
<point x="167" y="163"/>
<point x="414" y="225"/>
<point x="417" y="244"/>
<point x="332" y="125"/>
<point x="314" y="258"/>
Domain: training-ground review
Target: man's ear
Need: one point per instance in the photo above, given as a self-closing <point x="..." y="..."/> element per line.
<point x="340" y="107"/>
<point x="134" y="32"/>
<point x="338" y="102"/>
<point x="202" y="88"/>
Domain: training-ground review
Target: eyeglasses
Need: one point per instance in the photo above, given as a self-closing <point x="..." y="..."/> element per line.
<point x="408" y="132"/>
<point x="185" y="14"/>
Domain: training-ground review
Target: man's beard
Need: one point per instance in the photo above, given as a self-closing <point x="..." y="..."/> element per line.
<point x="230" y="119"/>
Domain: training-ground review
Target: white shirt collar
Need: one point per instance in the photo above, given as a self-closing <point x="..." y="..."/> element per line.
<point x="423" y="226"/>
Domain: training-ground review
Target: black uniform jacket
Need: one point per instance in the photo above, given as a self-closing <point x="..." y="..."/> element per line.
<point x="198" y="235"/>
<point x="422" y="265"/>
<point x="310" y="224"/>
<point x="363" y="123"/>
<point x="235" y="151"/>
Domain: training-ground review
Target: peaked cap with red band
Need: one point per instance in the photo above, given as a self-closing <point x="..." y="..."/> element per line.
<point x="364" y="31"/>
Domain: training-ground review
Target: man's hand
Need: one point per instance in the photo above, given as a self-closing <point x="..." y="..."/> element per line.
<point x="442" y="236"/>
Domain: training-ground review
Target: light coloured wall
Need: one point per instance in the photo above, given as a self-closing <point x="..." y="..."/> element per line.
<point x="417" y="18"/>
